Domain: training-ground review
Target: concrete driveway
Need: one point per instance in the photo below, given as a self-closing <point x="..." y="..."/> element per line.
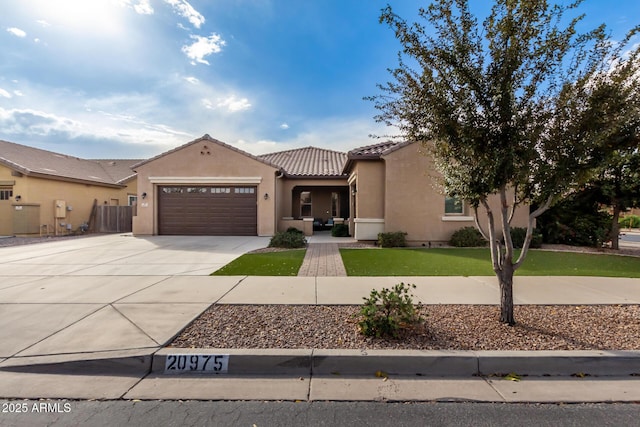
<point x="111" y="299"/>
<point x="125" y="255"/>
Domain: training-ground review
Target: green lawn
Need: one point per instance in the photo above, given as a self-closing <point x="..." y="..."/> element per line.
<point x="285" y="263"/>
<point x="477" y="262"/>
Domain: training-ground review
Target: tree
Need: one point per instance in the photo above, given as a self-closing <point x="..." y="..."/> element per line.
<point x="617" y="184"/>
<point x="514" y="104"/>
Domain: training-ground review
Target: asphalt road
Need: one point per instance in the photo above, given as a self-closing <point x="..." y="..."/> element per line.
<point x="628" y="237"/>
<point x="259" y="414"/>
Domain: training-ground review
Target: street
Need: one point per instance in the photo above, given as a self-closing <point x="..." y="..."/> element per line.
<point x="256" y="413"/>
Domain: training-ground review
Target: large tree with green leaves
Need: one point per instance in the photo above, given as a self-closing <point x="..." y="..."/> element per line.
<point x="519" y="104"/>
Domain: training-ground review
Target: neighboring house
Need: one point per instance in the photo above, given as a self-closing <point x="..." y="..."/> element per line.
<point x="42" y="192"/>
<point x="207" y="187"/>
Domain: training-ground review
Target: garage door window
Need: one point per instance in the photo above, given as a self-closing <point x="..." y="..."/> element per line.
<point x="172" y="190"/>
<point x="245" y="190"/>
<point x="196" y="189"/>
<point x="221" y="190"/>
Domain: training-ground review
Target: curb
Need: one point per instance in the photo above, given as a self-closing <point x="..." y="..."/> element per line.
<point x="303" y="362"/>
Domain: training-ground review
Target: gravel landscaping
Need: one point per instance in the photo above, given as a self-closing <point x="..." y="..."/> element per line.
<point x="446" y="327"/>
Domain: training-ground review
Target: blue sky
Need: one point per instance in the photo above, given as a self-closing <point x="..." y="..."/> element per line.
<point x="133" y="78"/>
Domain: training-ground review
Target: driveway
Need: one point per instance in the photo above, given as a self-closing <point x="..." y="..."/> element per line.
<point x="125" y="255"/>
<point x="106" y="298"/>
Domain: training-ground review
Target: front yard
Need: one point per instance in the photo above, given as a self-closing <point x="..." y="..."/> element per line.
<point x="438" y="262"/>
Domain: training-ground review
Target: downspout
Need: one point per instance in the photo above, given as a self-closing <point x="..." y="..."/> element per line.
<point x="275" y="201"/>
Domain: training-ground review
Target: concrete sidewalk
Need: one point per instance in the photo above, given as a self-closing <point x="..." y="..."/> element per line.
<point x="88" y="318"/>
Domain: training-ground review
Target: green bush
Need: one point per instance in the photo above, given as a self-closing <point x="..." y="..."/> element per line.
<point x="630" y="221"/>
<point x="294" y="230"/>
<point x="467" y="237"/>
<point x="388" y="311"/>
<point x="392" y="240"/>
<point x="288" y="239"/>
<point x="518" y="235"/>
<point x="340" y="230"/>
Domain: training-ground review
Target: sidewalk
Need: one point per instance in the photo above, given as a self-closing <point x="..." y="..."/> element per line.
<point x="75" y="328"/>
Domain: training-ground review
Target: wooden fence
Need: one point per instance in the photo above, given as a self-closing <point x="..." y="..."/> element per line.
<point x="113" y="219"/>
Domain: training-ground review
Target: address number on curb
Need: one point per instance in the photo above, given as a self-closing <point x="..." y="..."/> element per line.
<point x="203" y="363"/>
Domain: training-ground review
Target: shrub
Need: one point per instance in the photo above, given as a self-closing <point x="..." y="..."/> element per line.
<point x="392" y="240"/>
<point x="518" y="235"/>
<point x="388" y="311"/>
<point x="294" y="230"/>
<point x="630" y="221"/>
<point x="340" y="230"/>
<point x="288" y="239"/>
<point x="467" y="237"/>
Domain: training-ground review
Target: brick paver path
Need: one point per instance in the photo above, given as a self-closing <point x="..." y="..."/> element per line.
<point x="322" y="259"/>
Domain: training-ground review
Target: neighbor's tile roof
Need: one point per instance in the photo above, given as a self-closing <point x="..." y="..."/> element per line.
<point x="34" y="161"/>
<point x="309" y="162"/>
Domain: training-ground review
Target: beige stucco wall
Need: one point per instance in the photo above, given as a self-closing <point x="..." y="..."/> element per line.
<point x="207" y="163"/>
<point x="415" y="205"/>
<point x="44" y="192"/>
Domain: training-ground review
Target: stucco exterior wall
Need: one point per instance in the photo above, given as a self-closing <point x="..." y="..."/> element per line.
<point x="415" y="205"/>
<point x="35" y="191"/>
<point x="205" y="162"/>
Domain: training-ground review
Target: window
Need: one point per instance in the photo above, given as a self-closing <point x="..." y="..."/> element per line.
<point x="245" y="190"/>
<point x="170" y="190"/>
<point x="305" y="204"/>
<point x="196" y="189"/>
<point x="220" y="190"/>
<point x="6" y="193"/>
<point x="335" y="205"/>
<point x="132" y="200"/>
<point x="453" y="206"/>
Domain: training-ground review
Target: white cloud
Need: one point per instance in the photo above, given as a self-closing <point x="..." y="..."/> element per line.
<point x="184" y="9"/>
<point x="4" y="93"/>
<point x="207" y="104"/>
<point x="202" y="47"/>
<point x="284" y="126"/>
<point x="16" y="32"/>
<point x="43" y="23"/>
<point x="18" y="93"/>
<point x="192" y="80"/>
<point x="143" y="8"/>
<point x="234" y="104"/>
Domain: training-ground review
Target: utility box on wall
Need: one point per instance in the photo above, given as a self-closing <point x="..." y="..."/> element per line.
<point x="60" y="209"/>
<point x="26" y="219"/>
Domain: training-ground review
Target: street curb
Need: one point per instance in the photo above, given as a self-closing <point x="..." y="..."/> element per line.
<point x="432" y="363"/>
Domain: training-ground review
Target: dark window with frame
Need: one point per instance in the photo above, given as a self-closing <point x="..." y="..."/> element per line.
<point x="453" y="206"/>
<point x="305" y="204"/>
<point x="6" y="193"/>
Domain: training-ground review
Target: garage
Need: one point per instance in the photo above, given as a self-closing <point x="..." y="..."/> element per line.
<point x="207" y="210"/>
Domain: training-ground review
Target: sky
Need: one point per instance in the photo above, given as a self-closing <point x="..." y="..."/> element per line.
<point x="135" y="78"/>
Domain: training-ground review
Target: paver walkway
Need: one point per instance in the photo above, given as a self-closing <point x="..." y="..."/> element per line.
<point x="322" y="259"/>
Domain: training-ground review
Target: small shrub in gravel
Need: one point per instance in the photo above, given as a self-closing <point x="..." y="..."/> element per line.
<point x="288" y="239"/>
<point x="467" y="237"/>
<point x="394" y="239"/>
<point x="388" y="311"/>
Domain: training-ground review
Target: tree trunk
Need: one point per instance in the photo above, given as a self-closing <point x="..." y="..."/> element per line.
<point x="505" y="279"/>
<point x="615" y="227"/>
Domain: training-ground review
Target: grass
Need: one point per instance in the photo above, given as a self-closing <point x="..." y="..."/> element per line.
<point x="477" y="262"/>
<point x="285" y="263"/>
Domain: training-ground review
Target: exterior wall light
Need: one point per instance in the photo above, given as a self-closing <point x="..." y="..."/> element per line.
<point x="18" y="198"/>
<point x="144" y="195"/>
<point x="266" y="196"/>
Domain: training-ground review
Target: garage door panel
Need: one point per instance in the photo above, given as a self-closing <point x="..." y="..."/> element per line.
<point x="207" y="210"/>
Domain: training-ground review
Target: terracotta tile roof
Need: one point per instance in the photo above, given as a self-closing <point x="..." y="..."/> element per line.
<point x="375" y="151"/>
<point x="372" y="152"/>
<point x="36" y="162"/>
<point x="309" y="162"/>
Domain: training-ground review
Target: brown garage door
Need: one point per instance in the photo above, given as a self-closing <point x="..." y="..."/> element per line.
<point x="207" y="210"/>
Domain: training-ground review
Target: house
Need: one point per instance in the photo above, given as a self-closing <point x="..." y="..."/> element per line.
<point x="42" y="192"/>
<point x="207" y="187"/>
